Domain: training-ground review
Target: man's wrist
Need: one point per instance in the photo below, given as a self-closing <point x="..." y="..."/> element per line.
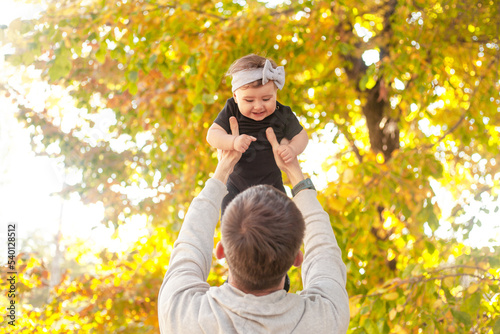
<point x="302" y="185"/>
<point x="295" y="175"/>
<point x="222" y="172"/>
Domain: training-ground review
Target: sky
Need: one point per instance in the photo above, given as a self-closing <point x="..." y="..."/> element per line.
<point x="28" y="182"/>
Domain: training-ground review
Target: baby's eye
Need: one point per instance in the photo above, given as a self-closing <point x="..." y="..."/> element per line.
<point x="266" y="100"/>
<point x="249" y="101"/>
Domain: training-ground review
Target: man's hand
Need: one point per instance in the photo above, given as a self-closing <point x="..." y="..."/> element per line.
<point x="229" y="158"/>
<point x="290" y="166"/>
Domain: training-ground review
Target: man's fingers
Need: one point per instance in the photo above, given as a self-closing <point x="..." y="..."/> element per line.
<point x="233" y="123"/>
<point x="272" y="137"/>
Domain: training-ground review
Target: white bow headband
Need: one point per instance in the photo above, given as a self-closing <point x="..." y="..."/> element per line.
<point x="266" y="73"/>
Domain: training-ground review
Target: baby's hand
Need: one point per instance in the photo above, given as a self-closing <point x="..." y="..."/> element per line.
<point x="287" y="153"/>
<point x="242" y="143"/>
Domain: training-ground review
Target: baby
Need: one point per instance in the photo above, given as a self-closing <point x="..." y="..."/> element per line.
<point x="255" y="82"/>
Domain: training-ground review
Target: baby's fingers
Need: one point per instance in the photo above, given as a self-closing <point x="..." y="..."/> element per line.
<point x="284" y="155"/>
<point x="248" y="140"/>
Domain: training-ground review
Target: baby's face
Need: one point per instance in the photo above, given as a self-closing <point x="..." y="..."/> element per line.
<point x="256" y="103"/>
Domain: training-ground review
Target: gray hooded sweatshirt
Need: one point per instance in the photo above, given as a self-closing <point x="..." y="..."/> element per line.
<point x="188" y="304"/>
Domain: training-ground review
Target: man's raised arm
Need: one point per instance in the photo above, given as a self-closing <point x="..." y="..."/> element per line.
<point x="323" y="271"/>
<point x="191" y="257"/>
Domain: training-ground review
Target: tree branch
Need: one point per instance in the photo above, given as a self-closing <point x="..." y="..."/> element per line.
<point x="349" y="138"/>
<point x="423" y="279"/>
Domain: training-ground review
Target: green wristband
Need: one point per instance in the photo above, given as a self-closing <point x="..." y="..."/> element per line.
<point x="304" y="184"/>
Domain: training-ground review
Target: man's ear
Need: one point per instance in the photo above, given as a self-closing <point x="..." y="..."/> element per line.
<point x="298" y="259"/>
<point x="219" y="251"/>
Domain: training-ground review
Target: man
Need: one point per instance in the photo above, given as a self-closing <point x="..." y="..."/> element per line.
<point x="258" y="254"/>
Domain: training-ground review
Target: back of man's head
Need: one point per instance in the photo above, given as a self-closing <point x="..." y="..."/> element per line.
<point x="262" y="231"/>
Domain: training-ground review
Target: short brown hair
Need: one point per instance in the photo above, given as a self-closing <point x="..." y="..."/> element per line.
<point x="262" y="231"/>
<point x="249" y="62"/>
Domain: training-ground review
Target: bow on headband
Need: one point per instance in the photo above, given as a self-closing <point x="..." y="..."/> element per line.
<point x="267" y="73"/>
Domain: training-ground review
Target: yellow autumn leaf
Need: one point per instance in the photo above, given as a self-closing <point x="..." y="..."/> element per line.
<point x="116" y="281"/>
<point x="380" y="158"/>
<point x="390" y="296"/>
<point x="472" y="288"/>
<point x="392" y="314"/>
<point x="109" y="303"/>
<point x="348" y="175"/>
<point x="354" y="309"/>
<point x="449" y="282"/>
<point x="347" y="191"/>
<point x="335" y="203"/>
<point x="470" y="270"/>
<point x="397" y="329"/>
<point x="437" y="304"/>
<point x="420" y="301"/>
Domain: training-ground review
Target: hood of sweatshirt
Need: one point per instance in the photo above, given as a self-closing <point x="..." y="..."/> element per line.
<point x="277" y="312"/>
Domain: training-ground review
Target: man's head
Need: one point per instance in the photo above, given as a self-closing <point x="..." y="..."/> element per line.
<point x="262" y="231"/>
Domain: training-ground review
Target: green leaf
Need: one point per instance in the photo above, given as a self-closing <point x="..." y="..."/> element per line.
<point x="183" y="47"/>
<point x="370" y="327"/>
<point x="462" y="317"/>
<point x="132" y="88"/>
<point x="430" y="247"/>
<point x="363" y="82"/>
<point x="132" y="76"/>
<point x="208" y="98"/>
<point x="494" y="261"/>
<point x="152" y="60"/>
<point x="473" y="302"/>
<point x="447" y="293"/>
<point x="351" y="216"/>
<point x="170" y="134"/>
<point x="197" y="112"/>
<point x="61" y="65"/>
<point x="344" y="49"/>
<point x="100" y="55"/>
<point x="379" y="306"/>
<point x="59" y="70"/>
<point x="496" y="326"/>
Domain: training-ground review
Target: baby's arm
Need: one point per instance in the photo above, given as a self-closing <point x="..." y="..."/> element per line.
<point x="218" y="138"/>
<point x="289" y="151"/>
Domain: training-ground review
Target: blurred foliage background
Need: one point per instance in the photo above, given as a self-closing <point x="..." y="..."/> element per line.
<point x="401" y="102"/>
